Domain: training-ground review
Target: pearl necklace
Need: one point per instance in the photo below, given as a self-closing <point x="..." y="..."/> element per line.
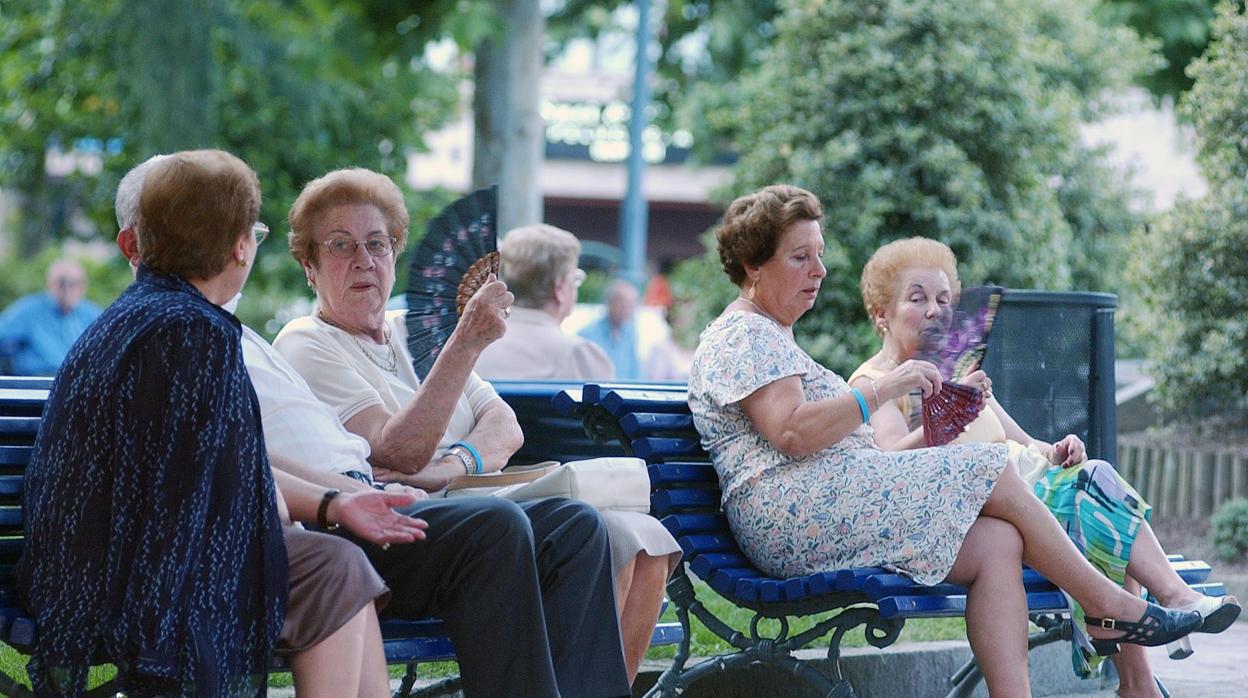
<point x="391" y="365"/>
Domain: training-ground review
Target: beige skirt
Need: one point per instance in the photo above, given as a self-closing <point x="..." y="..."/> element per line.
<point x="632" y="532"/>
<point x="330" y="581"/>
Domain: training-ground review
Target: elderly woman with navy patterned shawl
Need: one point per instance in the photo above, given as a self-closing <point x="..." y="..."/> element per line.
<point x="154" y="539"/>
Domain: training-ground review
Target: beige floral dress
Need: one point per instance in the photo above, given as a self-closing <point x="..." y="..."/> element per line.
<point x="849" y="505"/>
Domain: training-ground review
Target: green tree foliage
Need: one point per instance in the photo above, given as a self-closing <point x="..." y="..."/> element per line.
<point x="1181" y="25"/>
<point x="294" y="88"/>
<point x="1193" y="265"/>
<point x="951" y="119"/>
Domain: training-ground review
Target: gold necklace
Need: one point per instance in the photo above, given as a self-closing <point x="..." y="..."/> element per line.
<point x="392" y="360"/>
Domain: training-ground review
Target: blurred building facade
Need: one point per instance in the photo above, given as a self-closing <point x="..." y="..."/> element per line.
<point x="583" y="176"/>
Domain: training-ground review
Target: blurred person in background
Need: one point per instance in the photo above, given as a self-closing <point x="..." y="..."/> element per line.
<point x="616" y="332"/>
<point x="37" y="330"/>
<point x="539" y="266"/>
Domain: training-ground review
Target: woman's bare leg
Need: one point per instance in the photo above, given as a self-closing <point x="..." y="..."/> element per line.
<point x="988" y="565"/>
<point x="336" y="666"/>
<point x="640" y="597"/>
<point x="1047" y="548"/>
<point x="1149" y="565"/>
<point x="1135" y="675"/>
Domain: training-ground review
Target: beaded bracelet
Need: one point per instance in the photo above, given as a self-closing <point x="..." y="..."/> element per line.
<point x="862" y="404"/>
<point x="476" y="457"/>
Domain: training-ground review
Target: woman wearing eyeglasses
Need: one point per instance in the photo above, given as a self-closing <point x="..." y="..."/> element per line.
<point x="347" y="228"/>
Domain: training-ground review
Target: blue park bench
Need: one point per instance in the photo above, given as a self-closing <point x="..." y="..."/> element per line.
<point x="549" y="435"/>
<point x="1051" y="362"/>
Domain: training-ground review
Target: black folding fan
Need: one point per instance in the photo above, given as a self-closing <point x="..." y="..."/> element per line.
<point x="956" y="347"/>
<point x="452" y="261"/>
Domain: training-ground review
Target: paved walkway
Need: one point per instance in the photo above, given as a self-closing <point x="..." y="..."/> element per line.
<point x="1219" y="669"/>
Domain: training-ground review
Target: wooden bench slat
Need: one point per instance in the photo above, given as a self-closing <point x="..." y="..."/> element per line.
<point x="673" y="474"/>
<point x="621" y="402"/>
<point x="680" y="501"/>
<point x="19" y="426"/>
<point x="682" y="524"/>
<point x="648" y="423"/>
<point x="18" y="456"/>
<point x="664" y="447"/>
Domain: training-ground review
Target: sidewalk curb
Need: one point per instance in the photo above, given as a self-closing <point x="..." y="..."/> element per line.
<point x="909" y="670"/>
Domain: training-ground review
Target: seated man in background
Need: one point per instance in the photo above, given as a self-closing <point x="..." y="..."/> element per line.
<point x="37" y="330"/>
<point x="539" y="267"/>
<point x="487" y="568"/>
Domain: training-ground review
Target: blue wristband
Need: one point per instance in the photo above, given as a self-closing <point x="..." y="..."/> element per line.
<point x="476" y="457"/>
<point x="862" y="405"/>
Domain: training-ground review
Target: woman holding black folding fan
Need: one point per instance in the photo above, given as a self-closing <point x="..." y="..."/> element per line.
<point x="909" y="288"/>
<point x="347" y="228"/>
<point x="806" y="489"/>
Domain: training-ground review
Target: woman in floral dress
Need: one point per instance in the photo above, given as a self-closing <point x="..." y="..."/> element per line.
<point x="806" y="490"/>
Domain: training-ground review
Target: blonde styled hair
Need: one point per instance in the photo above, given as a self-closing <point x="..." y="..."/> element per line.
<point x="534" y="257"/>
<point x="193" y="208"/>
<point x="754" y="223"/>
<point x="353" y="185"/>
<point x="882" y="271"/>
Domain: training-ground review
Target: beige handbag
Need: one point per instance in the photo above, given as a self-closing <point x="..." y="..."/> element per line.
<point x="617" y="483"/>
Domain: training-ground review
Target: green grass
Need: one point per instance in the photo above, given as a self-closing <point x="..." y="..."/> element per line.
<point x="704" y="642"/>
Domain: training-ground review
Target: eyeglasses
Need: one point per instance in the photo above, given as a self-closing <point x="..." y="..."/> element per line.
<point x="260" y="231"/>
<point x="578" y="277"/>
<point x="344" y="247"/>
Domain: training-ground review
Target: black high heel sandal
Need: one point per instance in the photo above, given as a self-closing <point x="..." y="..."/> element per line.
<point x="1158" y="626"/>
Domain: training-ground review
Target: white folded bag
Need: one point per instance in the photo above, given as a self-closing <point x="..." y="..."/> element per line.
<point x="615" y="483"/>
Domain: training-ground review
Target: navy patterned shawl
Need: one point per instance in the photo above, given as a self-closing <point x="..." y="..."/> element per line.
<point x="152" y="535"/>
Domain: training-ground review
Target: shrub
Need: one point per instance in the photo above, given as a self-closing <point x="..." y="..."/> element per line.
<point x="1230" y="529"/>
<point x="1191" y="266"/>
<point x="953" y="119"/>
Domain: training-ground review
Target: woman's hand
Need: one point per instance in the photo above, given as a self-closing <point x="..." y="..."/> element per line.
<point x="370" y="515"/>
<point x="485" y="314"/>
<point x="979" y="380"/>
<point x="1069" y="452"/>
<point x="912" y="374"/>
<point x="431" y="478"/>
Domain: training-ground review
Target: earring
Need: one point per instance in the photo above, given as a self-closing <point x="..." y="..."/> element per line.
<point x="310" y="284"/>
<point x="242" y="261"/>
<point x="749" y="295"/>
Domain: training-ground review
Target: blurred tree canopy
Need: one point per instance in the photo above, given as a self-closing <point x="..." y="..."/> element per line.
<point x="294" y="88"/>
<point x="953" y="119"/>
<point x="1182" y="26"/>
<point x="1192" y="266"/>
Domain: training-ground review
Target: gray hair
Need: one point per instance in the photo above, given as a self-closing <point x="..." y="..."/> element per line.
<point x="126" y="205"/>
<point x="534" y="257"/>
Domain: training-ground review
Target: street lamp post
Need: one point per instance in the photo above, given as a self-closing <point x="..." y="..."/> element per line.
<point x="634" y="217"/>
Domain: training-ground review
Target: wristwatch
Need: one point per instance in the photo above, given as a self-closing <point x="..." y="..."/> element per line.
<point x="323" y="510"/>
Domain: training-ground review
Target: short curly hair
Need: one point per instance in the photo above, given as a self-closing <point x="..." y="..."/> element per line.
<point x="193" y="208"/>
<point x="754" y="223"/>
<point x="880" y="275"/>
<point x="534" y="258"/>
<point x="353" y="185"/>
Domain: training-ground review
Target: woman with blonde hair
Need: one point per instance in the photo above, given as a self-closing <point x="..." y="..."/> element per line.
<point x="909" y="288"/>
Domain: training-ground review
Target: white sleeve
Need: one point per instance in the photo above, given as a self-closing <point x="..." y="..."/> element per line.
<point x="330" y="372"/>
<point x="479" y="394"/>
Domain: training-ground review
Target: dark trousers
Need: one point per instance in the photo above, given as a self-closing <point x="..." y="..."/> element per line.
<point x="526" y="592"/>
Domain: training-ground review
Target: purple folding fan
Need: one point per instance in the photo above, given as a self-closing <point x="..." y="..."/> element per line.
<point x="957" y="347"/>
